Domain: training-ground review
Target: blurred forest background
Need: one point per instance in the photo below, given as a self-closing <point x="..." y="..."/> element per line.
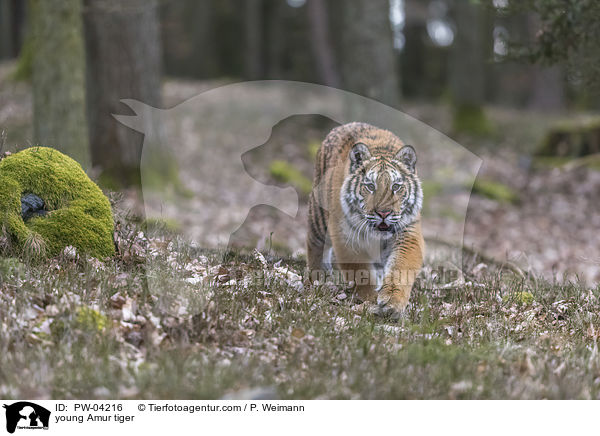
<point x="515" y="82"/>
<point x="466" y="53"/>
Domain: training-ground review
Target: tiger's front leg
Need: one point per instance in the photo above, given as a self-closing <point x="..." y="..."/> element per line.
<point x="394" y="295"/>
<point x="361" y="275"/>
<point x="401" y="273"/>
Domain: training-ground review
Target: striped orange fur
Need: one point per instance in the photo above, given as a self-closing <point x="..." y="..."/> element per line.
<point x="365" y="214"/>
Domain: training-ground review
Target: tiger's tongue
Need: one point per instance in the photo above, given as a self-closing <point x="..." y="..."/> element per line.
<point x="383" y="226"/>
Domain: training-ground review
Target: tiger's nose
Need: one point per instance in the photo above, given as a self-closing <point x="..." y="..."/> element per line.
<point x="383" y="213"/>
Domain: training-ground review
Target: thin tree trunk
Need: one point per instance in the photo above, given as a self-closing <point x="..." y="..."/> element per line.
<point x="18" y="25"/>
<point x="414" y="54"/>
<point x="321" y="43"/>
<point x="548" y="93"/>
<point x="253" y="29"/>
<point x="369" y="64"/>
<point x="548" y="90"/>
<point x="12" y="20"/>
<point x="189" y="43"/>
<point x="6" y="30"/>
<point x="275" y="42"/>
<point x="470" y="56"/>
<point x="124" y="62"/>
<point x="58" y="78"/>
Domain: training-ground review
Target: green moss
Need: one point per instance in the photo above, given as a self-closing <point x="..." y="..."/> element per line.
<point x="108" y="181"/>
<point x="79" y="213"/>
<point x="471" y="119"/>
<point x="284" y="172"/>
<point x="23" y="69"/>
<point x="522" y="298"/>
<point x="450" y="213"/>
<point x="165" y="179"/>
<point x="313" y="148"/>
<point x="150" y="177"/>
<point x="550" y="161"/>
<point x="591" y="161"/>
<point x="431" y="189"/>
<point x="495" y="191"/>
<point x="161" y="226"/>
<point x="90" y="320"/>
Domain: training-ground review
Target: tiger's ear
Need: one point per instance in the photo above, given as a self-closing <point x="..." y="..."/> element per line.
<point x="359" y="153"/>
<point x="408" y="156"/>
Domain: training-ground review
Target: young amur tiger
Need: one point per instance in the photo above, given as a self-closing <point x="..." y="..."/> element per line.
<point x="365" y="215"/>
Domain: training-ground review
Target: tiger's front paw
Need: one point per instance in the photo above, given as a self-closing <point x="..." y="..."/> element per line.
<point x="391" y="303"/>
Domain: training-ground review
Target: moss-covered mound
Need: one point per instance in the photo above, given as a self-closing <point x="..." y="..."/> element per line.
<point x="572" y="138"/>
<point x="77" y="213"/>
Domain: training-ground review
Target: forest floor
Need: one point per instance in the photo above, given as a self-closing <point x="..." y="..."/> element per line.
<point x="215" y="326"/>
<point x="167" y="319"/>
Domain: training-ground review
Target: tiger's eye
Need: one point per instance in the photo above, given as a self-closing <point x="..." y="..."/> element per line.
<point x="396" y="187"/>
<point x="370" y="187"/>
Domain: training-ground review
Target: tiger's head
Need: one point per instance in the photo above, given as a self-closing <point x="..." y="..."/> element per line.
<point x="381" y="194"/>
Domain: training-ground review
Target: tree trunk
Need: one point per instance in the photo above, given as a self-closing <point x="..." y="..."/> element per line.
<point x="414" y="54"/>
<point x="548" y="90"/>
<point x="548" y="93"/>
<point x="321" y="43"/>
<point x="253" y="31"/>
<point x="12" y="23"/>
<point x="6" y="30"/>
<point x="58" y="77"/>
<point x="471" y="53"/>
<point x="124" y="62"/>
<point x="276" y="38"/>
<point x="18" y="25"/>
<point x="368" y="61"/>
<point x="190" y="47"/>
